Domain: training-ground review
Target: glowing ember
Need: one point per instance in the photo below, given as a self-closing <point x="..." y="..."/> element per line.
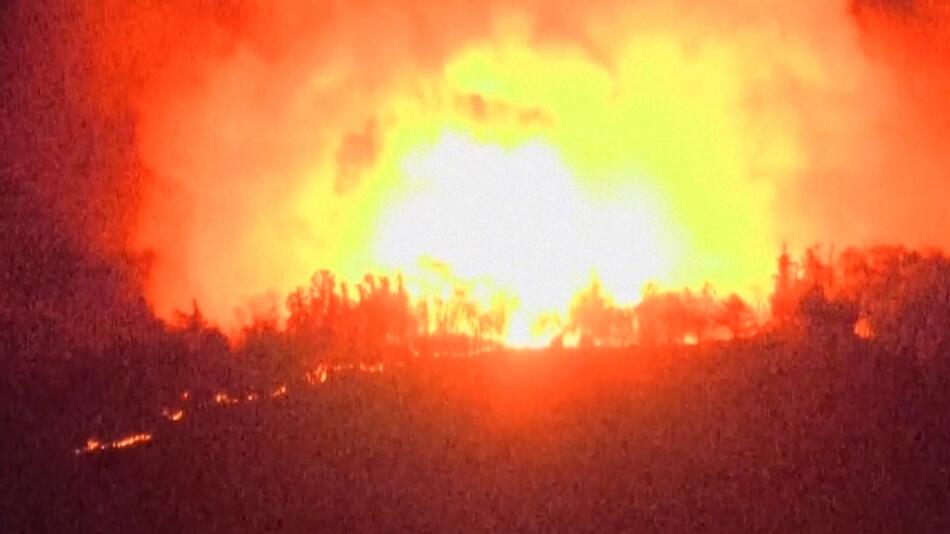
<point x="224" y="398"/>
<point x="132" y="440"/>
<point x="93" y="446"/>
<point x="318" y="376"/>
<point x="863" y="329"/>
<point x="173" y="416"/>
<point x="367" y="368"/>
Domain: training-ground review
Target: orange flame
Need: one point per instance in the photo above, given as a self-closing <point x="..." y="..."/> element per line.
<point x="532" y="148"/>
<point x="94" y="445"/>
<point x="173" y="416"/>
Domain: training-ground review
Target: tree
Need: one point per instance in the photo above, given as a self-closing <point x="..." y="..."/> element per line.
<point x="784" y="295"/>
<point x="598" y="321"/>
<point x="735" y="315"/>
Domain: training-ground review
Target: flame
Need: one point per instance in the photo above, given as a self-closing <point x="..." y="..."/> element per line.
<point x="320" y="375"/>
<point x="521" y="221"/>
<point x="529" y="149"/>
<point x="863" y="328"/>
<point x="132" y="440"/>
<point x="173" y="416"/>
<point x="93" y="445"/>
<point x="224" y="398"/>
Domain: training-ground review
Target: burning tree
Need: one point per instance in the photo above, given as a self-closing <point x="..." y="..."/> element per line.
<point x="736" y="316"/>
<point x="597" y="321"/>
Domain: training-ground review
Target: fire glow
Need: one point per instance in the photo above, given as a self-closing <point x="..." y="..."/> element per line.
<point x="318" y="376"/>
<point x="93" y="445"/>
<point x="530" y="151"/>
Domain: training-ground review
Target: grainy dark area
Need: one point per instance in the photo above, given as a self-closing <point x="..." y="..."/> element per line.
<point x="755" y="436"/>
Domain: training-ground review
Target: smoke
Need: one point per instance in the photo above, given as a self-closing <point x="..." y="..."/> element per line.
<point x="894" y="170"/>
<point x="67" y="179"/>
<point x="269" y="137"/>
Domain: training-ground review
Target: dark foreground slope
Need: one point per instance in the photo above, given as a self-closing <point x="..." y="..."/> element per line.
<point x="764" y="436"/>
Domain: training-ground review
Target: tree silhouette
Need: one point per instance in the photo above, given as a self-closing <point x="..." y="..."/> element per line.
<point x="736" y="316"/>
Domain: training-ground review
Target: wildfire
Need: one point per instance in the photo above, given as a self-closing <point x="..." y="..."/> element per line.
<point x="320" y="375"/>
<point x="523" y="149"/>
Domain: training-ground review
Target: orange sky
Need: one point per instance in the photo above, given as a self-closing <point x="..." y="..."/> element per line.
<point x="530" y="146"/>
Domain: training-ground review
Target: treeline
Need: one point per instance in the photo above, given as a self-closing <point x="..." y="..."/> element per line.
<point x="897" y="297"/>
<point x="854" y="350"/>
<point x="377" y="318"/>
<point x="894" y="300"/>
<point x="332" y="322"/>
<point x="661" y="318"/>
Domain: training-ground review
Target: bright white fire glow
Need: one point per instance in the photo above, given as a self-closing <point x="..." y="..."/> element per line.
<point x="521" y="221"/>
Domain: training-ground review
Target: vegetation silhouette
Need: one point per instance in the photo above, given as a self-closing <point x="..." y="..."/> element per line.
<point x="685" y="411"/>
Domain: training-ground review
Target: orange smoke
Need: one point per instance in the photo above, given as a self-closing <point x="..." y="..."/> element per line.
<point x="531" y="147"/>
